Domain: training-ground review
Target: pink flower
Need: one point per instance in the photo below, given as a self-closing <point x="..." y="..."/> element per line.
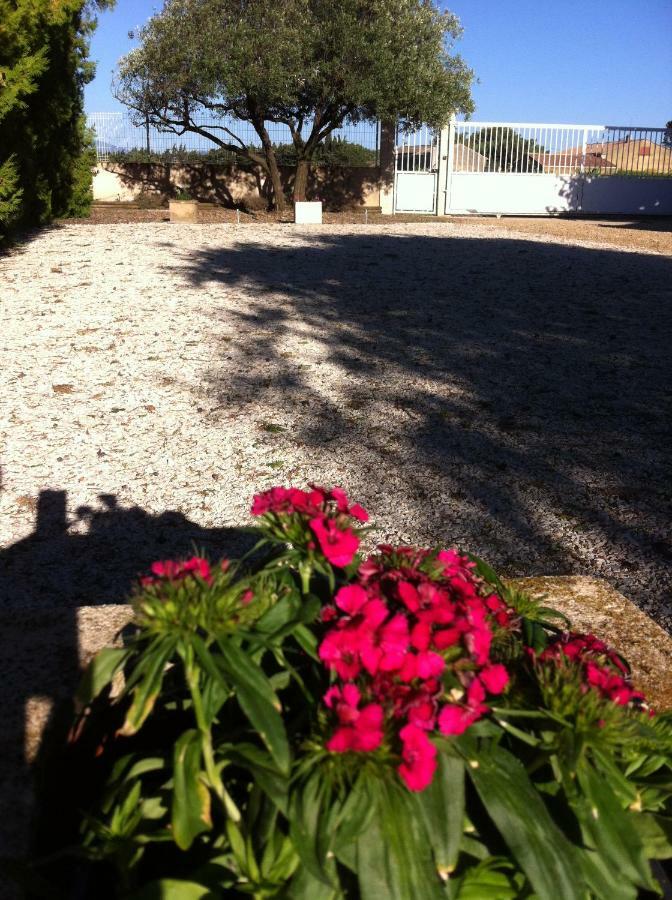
<point x="429" y="665"/>
<point x="339" y="651"/>
<point x="351" y="599"/>
<point x="339" y="496"/>
<point x="172" y="570"/>
<point x="358" y="730"/>
<point x="447" y="637"/>
<point x="358" y="512"/>
<point x="385" y="647"/>
<point x="408" y="595"/>
<point x="339" y="546"/>
<point x="495" y="678"/>
<point x="344" y="701"/>
<point x="419" y="758"/>
<point x="288" y="500"/>
<point x="422" y="714"/>
<point x="455" y="719"/>
<point x="478" y="642"/>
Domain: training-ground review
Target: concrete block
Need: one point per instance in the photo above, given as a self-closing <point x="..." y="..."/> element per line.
<point x="308" y="212"/>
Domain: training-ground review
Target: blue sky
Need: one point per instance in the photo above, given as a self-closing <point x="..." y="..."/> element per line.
<point x="569" y="61"/>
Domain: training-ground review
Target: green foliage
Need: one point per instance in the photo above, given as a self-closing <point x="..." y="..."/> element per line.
<point x="505" y="149"/>
<point x="301" y="63"/>
<point x="217" y="781"/>
<point x="333" y="151"/>
<point x="44" y="152"/>
<point x="81" y="194"/>
<point x="10" y="194"/>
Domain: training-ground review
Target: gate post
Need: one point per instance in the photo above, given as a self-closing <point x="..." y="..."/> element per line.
<point x="445" y="174"/>
<point x="442" y="168"/>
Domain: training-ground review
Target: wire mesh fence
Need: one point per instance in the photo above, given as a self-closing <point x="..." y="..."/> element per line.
<point x="118" y="138"/>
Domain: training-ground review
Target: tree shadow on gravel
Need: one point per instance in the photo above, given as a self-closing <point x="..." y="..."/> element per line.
<point x="512" y="396"/>
<point x="43" y="580"/>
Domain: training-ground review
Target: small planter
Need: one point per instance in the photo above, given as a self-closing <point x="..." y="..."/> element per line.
<point x="308" y="212"/>
<point x="183" y="210"/>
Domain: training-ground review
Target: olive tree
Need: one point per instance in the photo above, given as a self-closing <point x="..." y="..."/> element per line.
<point x="308" y="64"/>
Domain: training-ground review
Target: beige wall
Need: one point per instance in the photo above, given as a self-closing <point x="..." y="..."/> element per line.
<point x="338" y="188"/>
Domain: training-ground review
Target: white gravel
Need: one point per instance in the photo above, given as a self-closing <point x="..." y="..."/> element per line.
<point x="507" y="393"/>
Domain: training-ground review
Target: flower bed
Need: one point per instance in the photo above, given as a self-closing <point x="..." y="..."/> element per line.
<point x="306" y="723"/>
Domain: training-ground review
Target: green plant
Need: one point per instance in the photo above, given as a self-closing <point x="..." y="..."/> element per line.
<point x="183" y="195"/>
<point x="304" y="723"/>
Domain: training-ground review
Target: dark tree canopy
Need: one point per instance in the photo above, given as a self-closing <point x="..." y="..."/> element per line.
<point x="309" y="64"/>
<point x="45" y="170"/>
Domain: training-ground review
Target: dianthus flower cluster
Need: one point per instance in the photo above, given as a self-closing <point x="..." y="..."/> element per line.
<point x="177" y="570"/>
<point x="410" y="642"/>
<point x="602" y="669"/>
<point x="327" y="514"/>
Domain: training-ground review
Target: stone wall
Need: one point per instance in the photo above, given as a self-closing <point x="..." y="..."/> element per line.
<point x="231" y="186"/>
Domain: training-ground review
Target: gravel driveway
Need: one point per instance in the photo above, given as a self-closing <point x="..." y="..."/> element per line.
<point x="508" y="393"/>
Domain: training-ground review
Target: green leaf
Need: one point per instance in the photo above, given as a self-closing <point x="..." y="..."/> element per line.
<point x="174" y="889"/>
<point x="441" y="807"/>
<point x="258" y="701"/>
<point x="543" y="852"/>
<point x="305" y="810"/>
<point x="655" y="832"/>
<point x="602" y="880"/>
<point x="304" y="886"/>
<point x="148" y="686"/>
<point x="610" y="828"/>
<point x="307" y="640"/>
<point x="489" y="880"/>
<point x="354" y="815"/>
<point x="393" y="856"/>
<point x="261" y="765"/>
<point x="191" y="798"/>
<point x="100" y="672"/>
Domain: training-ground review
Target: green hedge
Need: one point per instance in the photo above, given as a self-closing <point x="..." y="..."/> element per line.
<point x="45" y="151"/>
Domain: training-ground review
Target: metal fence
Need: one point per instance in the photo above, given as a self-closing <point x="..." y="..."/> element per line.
<point x="562" y="149"/>
<point x="118" y="137"/>
<point x="417" y="151"/>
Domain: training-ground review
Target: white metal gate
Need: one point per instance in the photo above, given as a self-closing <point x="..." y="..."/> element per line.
<point x="416" y="165"/>
<point x="535" y="169"/>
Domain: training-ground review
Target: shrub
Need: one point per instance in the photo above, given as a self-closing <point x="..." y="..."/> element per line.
<point x="308" y="723"/>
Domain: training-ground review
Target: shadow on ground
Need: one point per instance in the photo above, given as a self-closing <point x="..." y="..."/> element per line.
<point x="513" y="396"/>
<point x="43" y="579"/>
<point x="96" y="556"/>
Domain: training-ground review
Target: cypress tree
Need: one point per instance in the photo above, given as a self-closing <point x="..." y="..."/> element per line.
<point x="44" y="170"/>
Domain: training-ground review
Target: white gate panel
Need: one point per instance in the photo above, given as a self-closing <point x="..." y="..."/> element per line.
<point x="519" y="169"/>
<point x="415" y="192"/>
<point x="514" y="194"/>
<point x="622" y="195"/>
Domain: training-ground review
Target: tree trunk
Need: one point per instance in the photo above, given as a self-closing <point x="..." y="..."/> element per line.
<point x="301" y="179"/>
<point x="274" y="174"/>
<point x="271" y="163"/>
